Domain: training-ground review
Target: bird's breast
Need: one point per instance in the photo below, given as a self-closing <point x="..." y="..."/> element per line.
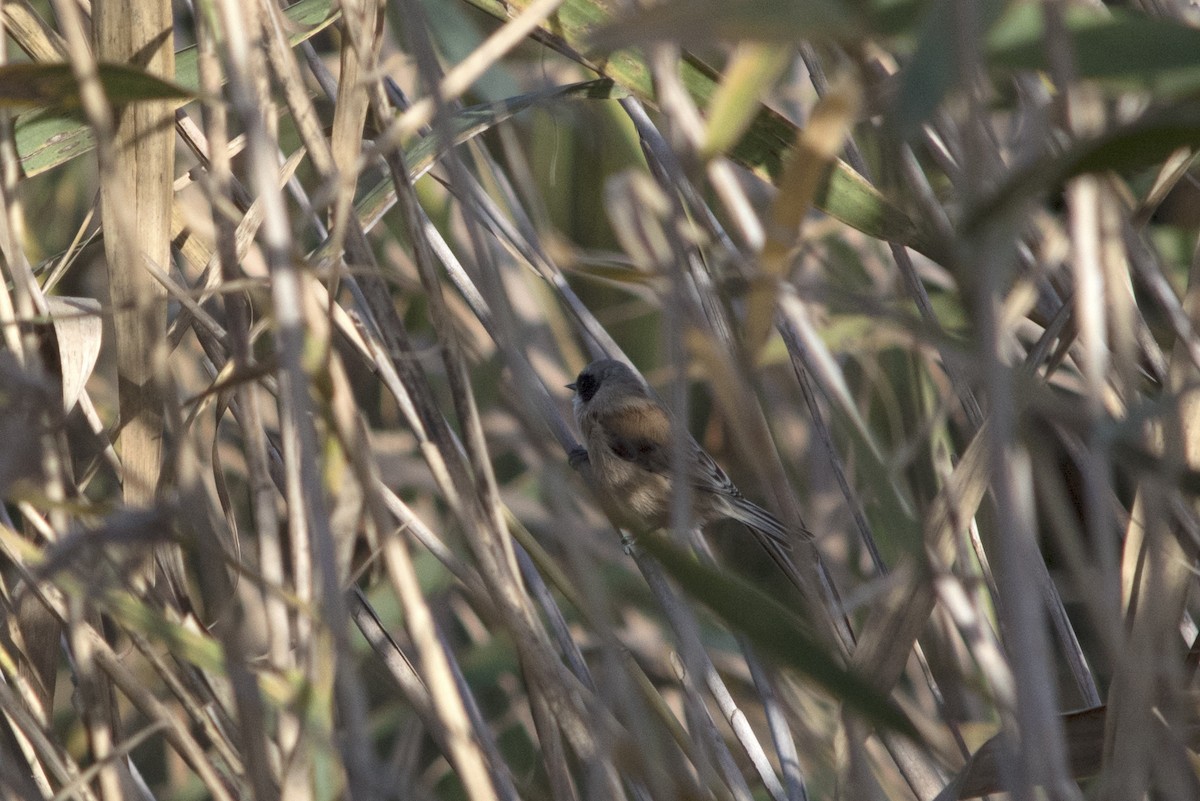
<point x="641" y="492"/>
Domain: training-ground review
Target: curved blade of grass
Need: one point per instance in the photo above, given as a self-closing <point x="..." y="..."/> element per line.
<point x="1122" y="48"/>
<point x="47" y="138"/>
<point x="703" y="21"/>
<point x="775" y="631"/>
<point x="844" y="195"/>
<point x="27" y="84"/>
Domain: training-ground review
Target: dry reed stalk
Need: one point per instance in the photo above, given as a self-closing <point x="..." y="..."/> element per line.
<point x="135" y="200"/>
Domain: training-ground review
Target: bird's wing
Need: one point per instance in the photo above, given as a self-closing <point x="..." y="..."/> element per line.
<point x="764" y="523"/>
<point x="638" y="432"/>
<point x="708" y="475"/>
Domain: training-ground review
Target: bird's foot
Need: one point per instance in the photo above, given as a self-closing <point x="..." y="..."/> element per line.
<point x="577" y="458"/>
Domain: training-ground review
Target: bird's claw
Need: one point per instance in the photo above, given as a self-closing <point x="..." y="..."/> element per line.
<point x="578" y="457"/>
<point x="628" y="542"/>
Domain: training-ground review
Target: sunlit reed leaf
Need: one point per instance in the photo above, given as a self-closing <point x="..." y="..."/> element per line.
<point x="77" y="327"/>
<point x="816" y="149"/>
<point x="751" y="72"/>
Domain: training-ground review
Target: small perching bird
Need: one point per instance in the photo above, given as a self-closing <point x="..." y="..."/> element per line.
<point x="627" y="433"/>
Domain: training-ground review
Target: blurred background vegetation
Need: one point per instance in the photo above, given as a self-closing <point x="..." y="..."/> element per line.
<point x="291" y="296"/>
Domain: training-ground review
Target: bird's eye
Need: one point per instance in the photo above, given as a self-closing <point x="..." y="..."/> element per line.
<point x="586" y="385"/>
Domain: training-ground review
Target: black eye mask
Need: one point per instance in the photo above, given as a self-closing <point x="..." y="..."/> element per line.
<point x="586" y="385"/>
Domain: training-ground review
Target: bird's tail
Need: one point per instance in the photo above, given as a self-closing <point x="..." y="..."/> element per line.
<point x="765" y="523"/>
<point x="772" y="535"/>
<point x="775" y="538"/>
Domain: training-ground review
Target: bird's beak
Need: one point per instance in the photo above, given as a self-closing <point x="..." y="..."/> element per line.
<point x="571" y="386"/>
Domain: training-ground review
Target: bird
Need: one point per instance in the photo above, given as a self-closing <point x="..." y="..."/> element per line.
<point x="627" y="434"/>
